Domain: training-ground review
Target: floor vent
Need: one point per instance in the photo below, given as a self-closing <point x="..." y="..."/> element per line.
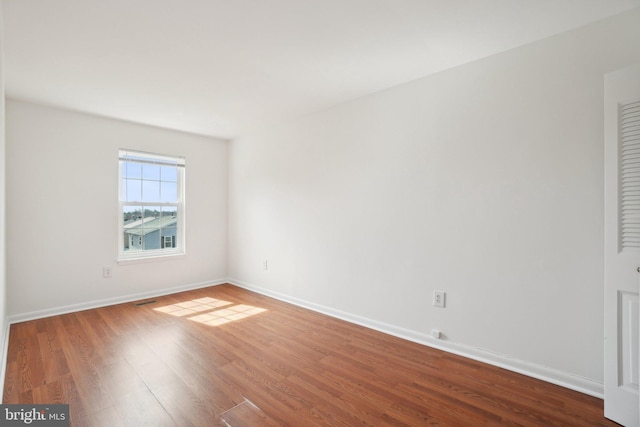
<point x="153" y="301"/>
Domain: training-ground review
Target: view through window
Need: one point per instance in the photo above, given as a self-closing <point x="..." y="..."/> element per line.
<point x="151" y="205"/>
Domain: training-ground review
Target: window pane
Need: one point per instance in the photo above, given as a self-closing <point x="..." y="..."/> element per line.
<point x="152" y="239"/>
<point x="123" y="190"/>
<point x="169" y="174"/>
<point x="151" y="227"/>
<point x="132" y="223"/>
<point x="150" y="213"/>
<point x="132" y="170"/>
<point x="132" y="239"/>
<point x="131" y="213"/>
<point x="169" y="236"/>
<point x="170" y="212"/>
<point x="169" y="226"/>
<point x="134" y="190"/>
<point x="151" y="172"/>
<point x="169" y="192"/>
<point x="150" y="191"/>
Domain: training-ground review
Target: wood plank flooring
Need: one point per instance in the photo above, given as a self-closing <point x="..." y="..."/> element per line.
<point x="223" y="356"/>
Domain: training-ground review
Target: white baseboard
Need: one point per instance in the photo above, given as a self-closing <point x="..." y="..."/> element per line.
<point x="550" y="375"/>
<point x="3" y="354"/>
<point x="39" y="314"/>
<point x="553" y="376"/>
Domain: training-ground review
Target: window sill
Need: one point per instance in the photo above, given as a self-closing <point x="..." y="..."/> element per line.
<point x="151" y="258"/>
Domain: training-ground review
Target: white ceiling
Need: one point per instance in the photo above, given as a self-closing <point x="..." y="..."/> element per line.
<point x="222" y="67"/>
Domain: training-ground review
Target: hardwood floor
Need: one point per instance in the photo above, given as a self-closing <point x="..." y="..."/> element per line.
<point x="223" y="356"/>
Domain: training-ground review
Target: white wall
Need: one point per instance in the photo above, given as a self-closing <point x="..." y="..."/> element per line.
<point x="62" y="184"/>
<point x="485" y="181"/>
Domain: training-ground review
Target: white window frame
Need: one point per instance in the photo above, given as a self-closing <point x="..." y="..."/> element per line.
<point x="160" y="159"/>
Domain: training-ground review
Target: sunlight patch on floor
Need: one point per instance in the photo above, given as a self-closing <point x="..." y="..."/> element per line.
<point x="192" y="307"/>
<point x="210" y="311"/>
<point x="226" y="315"/>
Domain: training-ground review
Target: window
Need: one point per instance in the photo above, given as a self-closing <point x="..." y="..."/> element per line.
<point x="169" y="242"/>
<point x="151" y="205"/>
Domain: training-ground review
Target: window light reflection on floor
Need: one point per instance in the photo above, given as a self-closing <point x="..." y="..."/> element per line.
<point x="210" y="311"/>
<point x="226" y="315"/>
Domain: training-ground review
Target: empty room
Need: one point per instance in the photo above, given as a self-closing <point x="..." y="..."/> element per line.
<point x="320" y="213"/>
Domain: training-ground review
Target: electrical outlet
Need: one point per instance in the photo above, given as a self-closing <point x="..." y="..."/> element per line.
<point x="265" y="264"/>
<point x="439" y="298"/>
<point x="106" y="272"/>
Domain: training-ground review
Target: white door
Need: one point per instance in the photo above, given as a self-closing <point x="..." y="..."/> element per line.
<point x="622" y="246"/>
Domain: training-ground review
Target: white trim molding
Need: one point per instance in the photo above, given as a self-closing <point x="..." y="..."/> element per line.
<point x="3" y="354"/>
<point x="544" y="373"/>
<point x="39" y="314"/>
